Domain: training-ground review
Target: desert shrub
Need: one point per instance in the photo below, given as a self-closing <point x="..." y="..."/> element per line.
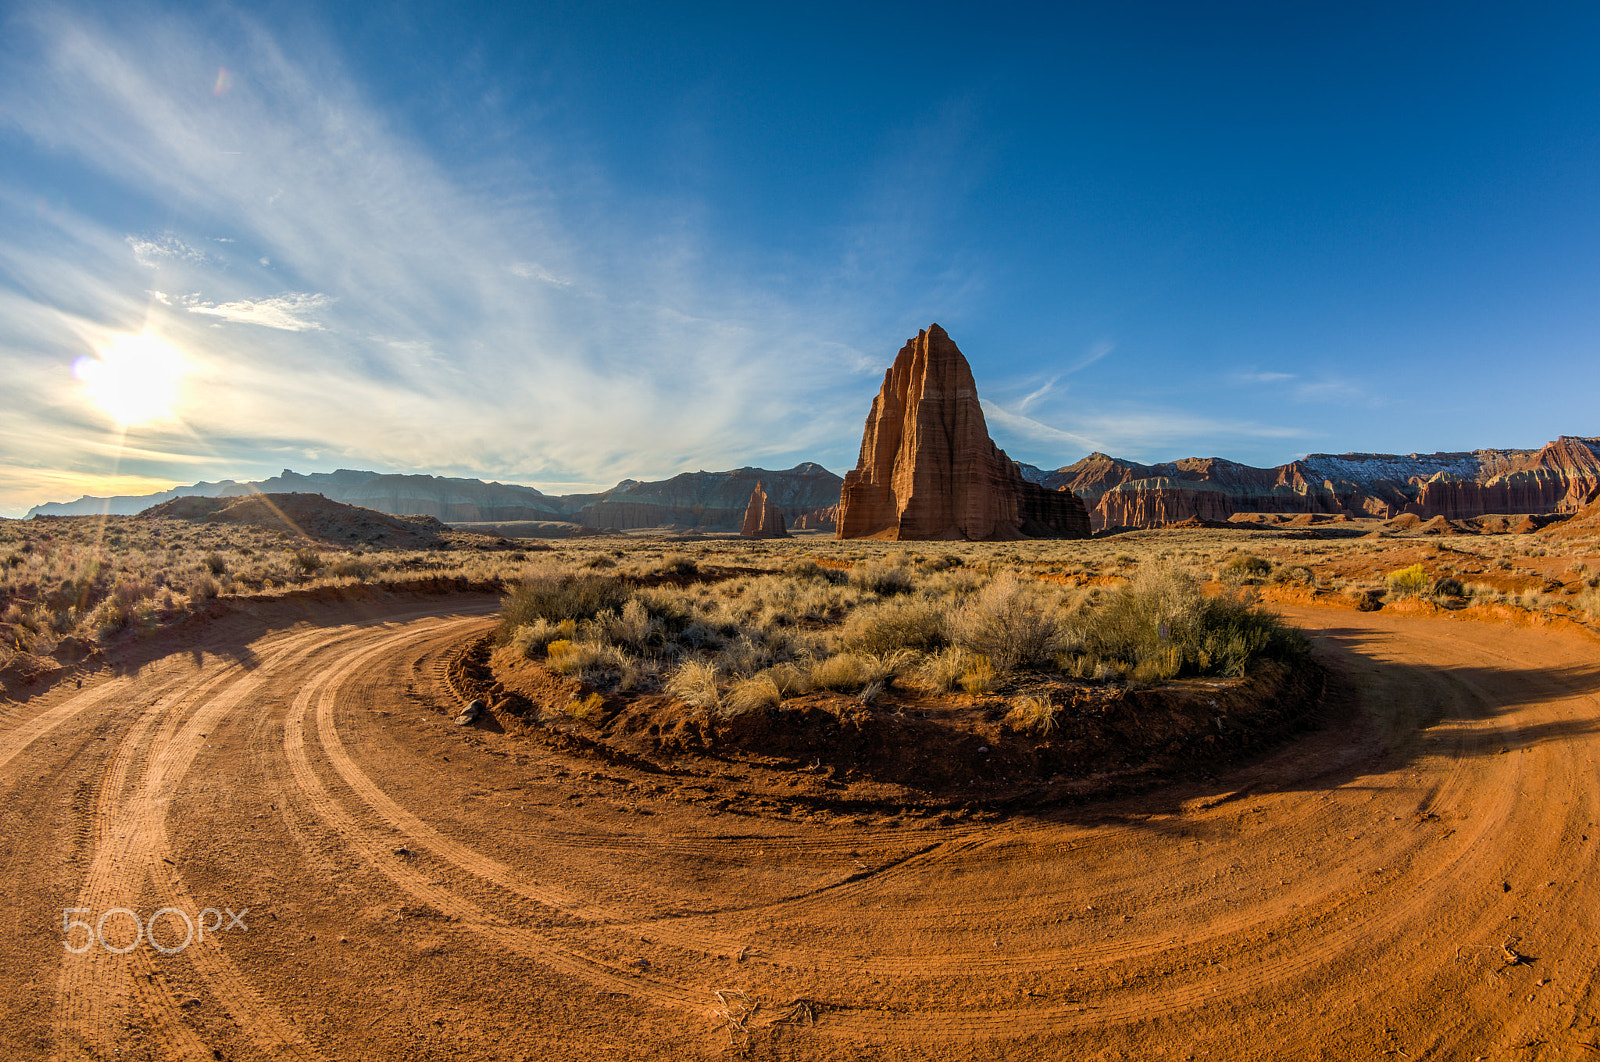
<point x="808" y="570"/>
<point x="532" y="639"/>
<point x="694" y="682"/>
<point x="1589" y="602"/>
<point x="1296" y="573"/>
<point x="1447" y="586"/>
<point x="350" y="568"/>
<point x="848" y="672"/>
<point x="203" y="587"/>
<point x="556" y="598"/>
<point x="902" y="623"/>
<point x="215" y="563"/>
<point x="1247" y="568"/>
<point x="942" y="671"/>
<point x="1009" y="622"/>
<point x="633" y="628"/>
<point x="1409" y="582"/>
<point x="751" y="695"/>
<point x="1032" y="713"/>
<point x="883" y="578"/>
<point x="1367" y="600"/>
<point x="1162" y="626"/>
<point x="572" y="658"/>
<point x="586" y="708"/>
<point x="679" y="564"/>
<point x="308" y="561"/>
<point x="980" y="674"/>
<point x="789" y="679"/>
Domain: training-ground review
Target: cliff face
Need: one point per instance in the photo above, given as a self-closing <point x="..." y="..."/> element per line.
<point x="1553" y="479"/>
<point x="928" y="469"/>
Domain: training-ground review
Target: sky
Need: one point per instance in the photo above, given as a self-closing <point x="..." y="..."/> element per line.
<point x="564" y="244"/>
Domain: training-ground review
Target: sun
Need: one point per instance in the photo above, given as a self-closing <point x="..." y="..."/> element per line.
<point x="134" y="378"/>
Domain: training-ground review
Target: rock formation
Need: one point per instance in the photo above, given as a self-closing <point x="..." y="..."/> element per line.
<point x="1457" y="486"/>
<point x="824" y="519"/>
<point x="762" y="519"/>
<point x="928" y="469"/>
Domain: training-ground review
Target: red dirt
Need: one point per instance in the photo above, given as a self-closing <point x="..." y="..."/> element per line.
<point x="1420" y="878"/>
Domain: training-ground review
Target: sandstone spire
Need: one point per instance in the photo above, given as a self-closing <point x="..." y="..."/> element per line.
<point x="762" y="519"/>
<point x="928" y="469"/>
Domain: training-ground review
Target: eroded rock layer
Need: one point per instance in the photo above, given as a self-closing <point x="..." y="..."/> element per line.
<point x="928" y="469"/>
<point x="1456" y="486"/>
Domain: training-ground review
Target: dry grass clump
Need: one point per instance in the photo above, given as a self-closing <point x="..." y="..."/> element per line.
<point x="980" y="675"/>
<point x="1032" y="712"/>
<point x="941" y="672"/>
<point x="916" y="623"/>
<point x="694" y="682"/>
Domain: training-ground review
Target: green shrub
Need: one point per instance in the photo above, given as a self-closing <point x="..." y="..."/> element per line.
<point x="1162" y="626"/>
<point x="1409" y="582"/>
<point x="1244" y="569"/>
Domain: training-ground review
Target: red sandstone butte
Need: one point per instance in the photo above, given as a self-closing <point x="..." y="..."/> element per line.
<point x="928" y="469"/>
<point x="762" y="519"/>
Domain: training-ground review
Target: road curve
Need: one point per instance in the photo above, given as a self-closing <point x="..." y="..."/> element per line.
<point x="1416" y="879"/>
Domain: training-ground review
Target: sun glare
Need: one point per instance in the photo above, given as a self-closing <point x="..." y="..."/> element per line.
<point x="134" y="378"/>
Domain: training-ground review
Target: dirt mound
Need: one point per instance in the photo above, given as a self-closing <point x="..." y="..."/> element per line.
<point x="1441" y="526"/>
<point x="312" y="517"/>
<point x="908" y="750"/>
<point x="1403" y="522"/>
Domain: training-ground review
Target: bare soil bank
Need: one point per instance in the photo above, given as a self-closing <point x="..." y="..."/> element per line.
<point x="909" y="752"/>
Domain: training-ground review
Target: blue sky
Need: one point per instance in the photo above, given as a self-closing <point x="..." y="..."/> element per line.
<point x="573" y="243"/>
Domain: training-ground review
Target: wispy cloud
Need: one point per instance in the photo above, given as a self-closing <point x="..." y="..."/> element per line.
<point x="395" y="322"/>
<point x="287" y="312"/>
<point x="1261" y="377"/>
<point x="153" y="251"/>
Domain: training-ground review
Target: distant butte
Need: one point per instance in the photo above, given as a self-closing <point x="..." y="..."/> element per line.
<point x="762" y="518"/>
<point x="929" y="470"/>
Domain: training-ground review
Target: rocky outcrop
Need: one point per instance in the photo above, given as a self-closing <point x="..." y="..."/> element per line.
<point x="928" y="469"/>
<point x="1456" y="486"/>
<point x="762" y="519"/>
<point x="826" y="519"/>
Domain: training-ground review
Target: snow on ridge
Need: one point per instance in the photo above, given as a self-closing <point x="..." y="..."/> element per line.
<point x="1367" y="468"/>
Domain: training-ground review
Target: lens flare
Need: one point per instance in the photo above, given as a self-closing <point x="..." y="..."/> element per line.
<point x="134" y="378"/>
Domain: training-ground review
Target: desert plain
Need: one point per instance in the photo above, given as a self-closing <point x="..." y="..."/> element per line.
<point x="248" y="746"/>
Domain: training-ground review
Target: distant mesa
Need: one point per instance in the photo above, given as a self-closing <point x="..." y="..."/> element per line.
<point x="929" y="470"/>
<point x="311" y="517"/>
<point x="762" y="518"/>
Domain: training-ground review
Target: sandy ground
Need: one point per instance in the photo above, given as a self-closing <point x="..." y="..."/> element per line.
<point x="1417" y="879"/>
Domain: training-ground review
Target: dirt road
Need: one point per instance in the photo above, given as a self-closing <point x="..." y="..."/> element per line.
<point x="1415" y="880"/>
